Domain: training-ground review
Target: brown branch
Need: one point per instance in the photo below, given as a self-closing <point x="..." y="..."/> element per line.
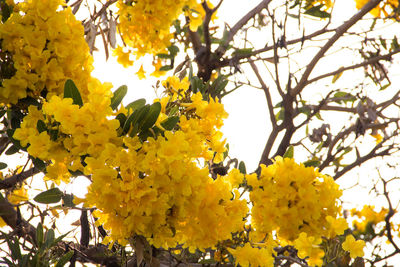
<point x="363" y="159"/>
<point x="339" y="32"/>
<point x="17" y="178"/>
<point x="237" y="58"/>
<point x="362" y="64"/>
<point x="266" y="92"/>
<point x="389" y="216"/>
<point x="222" y="48"/>
<point x="11" y="217"/>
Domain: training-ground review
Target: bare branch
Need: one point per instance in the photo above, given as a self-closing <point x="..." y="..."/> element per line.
<point x="17" y="178"/>
<point x="222" y="48"/>
<point x="339" y="32"/>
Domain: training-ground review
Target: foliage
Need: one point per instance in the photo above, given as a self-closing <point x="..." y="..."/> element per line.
<point x="164" y="188"/>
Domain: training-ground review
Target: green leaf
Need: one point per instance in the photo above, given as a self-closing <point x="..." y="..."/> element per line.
<point x="226" y="152"/>
<point x="166" y="68"/>
<point x="136" y="104"/>
<point x="6" y="12"/>
<point x="41" y="126"/>
<point x="242" y="52"/>
<point x="71" y="91"/>
<point x="13" y="245"/>
<point x="119" y="94"/>
<point x="316" y="11"/>
<point x="169" y="124"/>
<point x="68" y="200"/>
<point x="289" y="152"/>
<point x="151" y="116"/>
<point x="134" y="121"/>
<point x="173" y="50"/>
<point x="39" y="234"/>
<point x="242" y="167"/>
<point x="65" y="258"/>
<point x="49" y="241"/>
<point x="39" y="164"/>
<point x="121" y="118"/>
<point x="2" y="112"/>
<point x="3" y="165"/>
<point x="311" y="163"/>
<point x="12" y="150"/>
<point x="50" y="196"/>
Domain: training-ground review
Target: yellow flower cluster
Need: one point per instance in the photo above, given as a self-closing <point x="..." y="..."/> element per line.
<point x="70" y="131"/>
<point x="159" y="191"/>
<point x="145" y="26"/>
<point x="368" y="216"/>
<point x="154" y="188"/>
<point x="47" y="46"/>
<point x="309" y="246"/>
<point x="386" y="9"/>
<point x="290" y="199"/>
<point x="252" y="256"/>
<point x="356" y="248"/>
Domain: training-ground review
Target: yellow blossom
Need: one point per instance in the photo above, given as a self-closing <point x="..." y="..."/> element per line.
<point x="356" y="248"/>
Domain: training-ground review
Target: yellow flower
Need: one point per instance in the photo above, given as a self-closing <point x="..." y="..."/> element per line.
<point x="356" y="248"/>
<point x="248" y="256"/>
<point x="122" y="57"/>
<point x="141" y="73"/>
<point x="18" y="195"/>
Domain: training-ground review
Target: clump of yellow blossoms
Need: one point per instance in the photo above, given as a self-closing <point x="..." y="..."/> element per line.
<point x="356" y="248"/>
<point x="145" y="26"/>
<point x="291" y="199"/>
<point x="47" y="46"/>
<point x="368" y="217"/>
<point x="72" y="131"/>
<point x="153" y="187"/>
<point x="385" y="9"/>
<point x="252" y="256"/>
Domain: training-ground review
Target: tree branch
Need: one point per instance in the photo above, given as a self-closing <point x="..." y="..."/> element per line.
<point x="17" y="178"/>
<point x="222" y="48"/>
<point x="362" y="64"/>
<point x="339" y="32"/>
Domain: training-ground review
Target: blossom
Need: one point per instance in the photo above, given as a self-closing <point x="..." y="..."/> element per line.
<point x="356" y="248"/>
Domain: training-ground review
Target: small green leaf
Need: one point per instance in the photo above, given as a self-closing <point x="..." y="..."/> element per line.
<point x="65" y="258"/>
<point x="318" y="115"/>
<point x="12" y="150"/>
<point x="41" y="126"/>
<point x="39" y="164"/>
<point x="166" y="68"/>
<point x="68" y="200"/>
<point x="289" y="152"/>
<point x="121" y="118"/>
<point x="13" y="245"/>
<point x="135" y="120"/>
<point x="311" y="163"/>
<point x="50" y="196"/>
<point x="242" y="167"/>
<point x="119" y="94"/>
<point x="3" y="165"/>
<point x="316" y="11"/>
<point x="136" y="104"/>
<point x="39" y="234"/>
<point x="49" y="238"/>
<point x="71" y="91"/>
<point x="151" y="116"/>
<point x="242" y="52"/>
<point x="169" y="124"/>
<point x="2" y="112"/>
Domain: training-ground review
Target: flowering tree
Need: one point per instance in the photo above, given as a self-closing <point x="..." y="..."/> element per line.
<point x="164" y="190"/>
